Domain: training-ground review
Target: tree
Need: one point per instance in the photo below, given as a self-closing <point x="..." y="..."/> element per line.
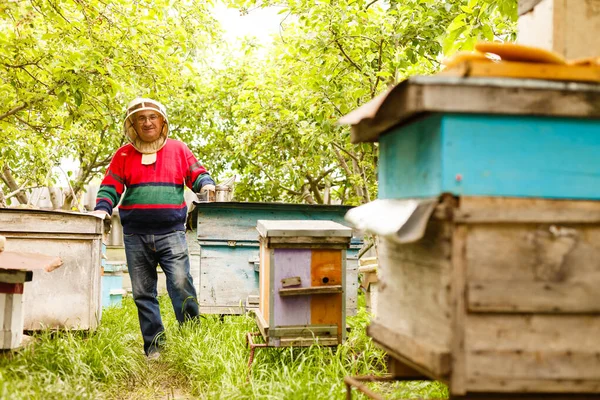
<point x="67" y="68"/>
<point x="274" y="116"/>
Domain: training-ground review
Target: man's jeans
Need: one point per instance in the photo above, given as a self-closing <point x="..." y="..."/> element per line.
<point x="144" y="253"/>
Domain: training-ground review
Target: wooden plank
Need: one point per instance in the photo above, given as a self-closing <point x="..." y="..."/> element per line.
<point x="522" y="70"/>
<point x="414" y="286"/>
<point x="304" y="331"/>
<point x="293" y="281"/>
<point x="520" y="390"/>
<point x="237" y="220"/>
<point x="479" y="158"/>
<point x="444" y="94"/>
<point x="530" y="332"/>
<point x="482" y="209"/>
<point x="536" y="297"/>
<point x="11" y="276"/>
<point x="368" y="269"/>
<point x="326" y="271"/>
<point x="48" y="222"/>
<point x="10" y="260"/>
<point x="433" y="359"/>
<point x="223" y="310"/>
<point x="305" y="342"/>
<point x="495" y="343"/>
<point x="576" y="27"/>
<point x="534" y="253"/>
<point x="351" y="284"/>
<point x="291" y="310"/>
<point x="304" y="245"/>
<point x="263" y="326"/>
<point x="402" y="371"/>
<point x="326" y="241"/>
<point x="366" y="261"/>
<point x="11" y="320"/>
<point x="265" y="281"/>
<point x="307" y="291"/>
<point x="70" y="296"/>
<point x="569" y="28"/>
<point x="534" y="365"/>
<point x="458" y="294"/>
<point x="302" y="228"/>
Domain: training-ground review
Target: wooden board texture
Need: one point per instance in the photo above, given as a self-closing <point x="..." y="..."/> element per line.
<point x="536" y="268"/>
<point x="70" y="296"/>
<point x="294" y="310"/>
<point x="327" y="309"/>
<point x="265" y="288"/>
<point x="512" y="304"/>
<point x="533" y="353"/>
<point x="226" y="275"/>
<point x="511" y="69"/>
<point x="42" y="222"/>
<point x="414" y="288"/>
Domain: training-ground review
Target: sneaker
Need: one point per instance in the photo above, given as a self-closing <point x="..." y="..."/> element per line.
<point x="154" y="356"/>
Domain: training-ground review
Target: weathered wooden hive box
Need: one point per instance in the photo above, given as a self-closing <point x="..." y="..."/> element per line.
<point x="69" y="297"/>
<point x="489" y="230"/>
<point x="227" y="245"/>
<point x="302" y="282"/>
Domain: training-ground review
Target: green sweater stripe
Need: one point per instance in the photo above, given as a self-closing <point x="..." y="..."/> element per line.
<point x="109" y="193"/>
<point x="167" y="195"/>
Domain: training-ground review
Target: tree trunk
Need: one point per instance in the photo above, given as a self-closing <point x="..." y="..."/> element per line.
<point x="306" y="195"/>
<point x="2" y="199"/>
<point x="55" y="197"/>
<point x="12" y="185"/>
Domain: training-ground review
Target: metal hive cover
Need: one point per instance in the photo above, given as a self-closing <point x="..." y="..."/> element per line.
<point x="305" y="228"/>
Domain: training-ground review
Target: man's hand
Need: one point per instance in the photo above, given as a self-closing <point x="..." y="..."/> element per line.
<point x="100" y="214"/>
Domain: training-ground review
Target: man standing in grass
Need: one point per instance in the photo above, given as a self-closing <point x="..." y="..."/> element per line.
<point x="154" y="169"/>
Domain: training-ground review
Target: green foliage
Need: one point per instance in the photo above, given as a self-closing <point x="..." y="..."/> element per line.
<point x="68" y="68"/>
<point x="480" y="20"/>
<point x="273" y="112"/>
<point x="266" y="114"/>
<point x="73" y="364"/>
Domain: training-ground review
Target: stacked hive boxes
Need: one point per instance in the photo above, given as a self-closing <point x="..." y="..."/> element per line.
<point x="489" y="223"/>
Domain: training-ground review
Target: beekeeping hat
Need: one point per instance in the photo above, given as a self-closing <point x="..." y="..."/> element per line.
<point x="149" y="149"/>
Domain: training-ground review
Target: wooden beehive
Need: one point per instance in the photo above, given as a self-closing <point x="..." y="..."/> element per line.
<point x="302" y="282"/>
<point x="499" y="296"/>
<point x="69" y="297"/>
<point x="489" y="222"/>
<point x="226" y="245"/>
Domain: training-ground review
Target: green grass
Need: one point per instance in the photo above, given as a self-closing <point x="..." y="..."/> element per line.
<point x="204" y="361"/>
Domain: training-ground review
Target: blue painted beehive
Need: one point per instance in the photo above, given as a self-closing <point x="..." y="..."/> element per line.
<point x="485" y="137"/>
<point x="229" y="251"/>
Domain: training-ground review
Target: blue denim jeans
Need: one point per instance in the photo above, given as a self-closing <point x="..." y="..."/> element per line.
<point x="144" y="253"/>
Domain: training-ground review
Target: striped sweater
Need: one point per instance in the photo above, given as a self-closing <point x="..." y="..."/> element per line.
<point x="153" y="202"/>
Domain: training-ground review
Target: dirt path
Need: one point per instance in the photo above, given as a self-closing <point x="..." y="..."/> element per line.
<point x="158" y="382"/>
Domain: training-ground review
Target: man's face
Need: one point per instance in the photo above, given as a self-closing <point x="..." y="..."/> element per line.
<point x="148" y="124"/>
